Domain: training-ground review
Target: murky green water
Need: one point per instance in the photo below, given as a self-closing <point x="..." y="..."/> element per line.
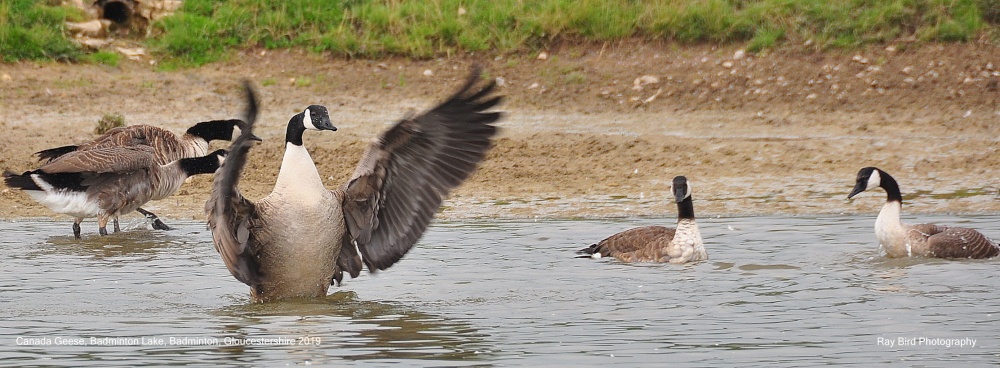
<point x="778" y="291"/>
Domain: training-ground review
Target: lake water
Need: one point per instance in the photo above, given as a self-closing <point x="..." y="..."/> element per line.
<point x="777" y="291"/>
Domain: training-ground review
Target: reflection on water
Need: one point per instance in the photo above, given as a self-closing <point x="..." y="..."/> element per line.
<point x="782" y="291"/>
<point x="363" y="330"/>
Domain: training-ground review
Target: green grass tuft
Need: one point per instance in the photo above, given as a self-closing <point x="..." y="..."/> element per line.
<point x="109" y="121"/>
<point x="103" y="57"/>
<point x="30" y="30"/>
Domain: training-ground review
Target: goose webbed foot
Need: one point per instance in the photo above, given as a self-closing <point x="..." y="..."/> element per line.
<point x="157" y="224"/>
<point x="103" y="230"/>
<point x="117" y="228"/>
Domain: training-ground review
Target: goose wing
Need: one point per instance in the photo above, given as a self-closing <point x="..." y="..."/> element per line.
<point x="120" y="136"/>
<point x="630" y="240"/>
<point x="958" y="242"/>
<point x="404" y="176"/>
<point x="103" y="160"/>
<point x="230" y="215"/>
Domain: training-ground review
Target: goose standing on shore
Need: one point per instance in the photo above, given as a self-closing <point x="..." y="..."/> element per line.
<point x="925" y="240"/>
<point x="108" y="181"/>
<point x="657" y="243"/>
<point x="167" y="147"/>
<point x="302" y="237"/>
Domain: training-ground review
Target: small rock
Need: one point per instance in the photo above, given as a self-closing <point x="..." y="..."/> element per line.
<point x="909" y="80"/>
<point x="501" y="82"/>
<point x="382" y="66"/>
<point x="644" y="80"/>
<point x="727" y="64"/>
<point x="94" y="28"/>
<point x="860" y="59"/>
<point x="808" y="42"/>
<point x="132" y="53"/>
<point x="739" y="55"/>
<point x="543" y="55"/>
<point x="967" y="114"/>
<point x="428" y="73"/>
<point x="907" y="69"/>
<point x="92" y="43"/>
<point x="968" y="80"/>
<point x="5" y="77"/>
<point x="533" y="86"/>
<point x="890" y="49"/>
<point x="811" y="96"/>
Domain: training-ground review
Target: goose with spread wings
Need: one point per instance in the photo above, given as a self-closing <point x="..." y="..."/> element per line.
<point x="302" y="237"/>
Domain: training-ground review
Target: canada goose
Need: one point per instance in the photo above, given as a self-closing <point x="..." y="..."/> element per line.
<point x="927" y="240"/>
<point x="107" y="181"/>
<point x="167" y="146"/>
<point x="302" y="237"/>
<point x="657" y="243"/>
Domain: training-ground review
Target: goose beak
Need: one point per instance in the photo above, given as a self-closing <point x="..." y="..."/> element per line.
<point x="858" y="188"/>
<point x="679" y="195"/>
<point x="326" y="124"/>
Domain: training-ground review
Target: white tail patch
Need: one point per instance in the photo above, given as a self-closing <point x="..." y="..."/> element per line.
<point x="67" y="202"/>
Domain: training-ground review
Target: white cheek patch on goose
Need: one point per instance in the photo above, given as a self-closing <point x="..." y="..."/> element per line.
<point x="874" y="180"/>
<point x="307" y="120"/>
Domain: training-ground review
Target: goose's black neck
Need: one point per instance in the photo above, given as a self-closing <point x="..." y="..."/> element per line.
<point x="891" y="188"/>
<point x="295" y="129"/>
<point x="685" y="209"/>
<point x="214" y="130"/>
<point x="201" y="165"/>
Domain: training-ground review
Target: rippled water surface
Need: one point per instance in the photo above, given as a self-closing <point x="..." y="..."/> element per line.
<point x="778" y="291"/>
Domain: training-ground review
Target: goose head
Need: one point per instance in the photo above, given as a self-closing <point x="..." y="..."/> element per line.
<point x="205" y="164"/>
<point x="216" y="129"/>
<point x="681" y="189"/>
<point x="314" y="117"/>
<point x="868" y="178"/>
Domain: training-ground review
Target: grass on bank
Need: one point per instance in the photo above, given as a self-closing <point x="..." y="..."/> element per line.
<point x="35" y="30"/>
<point x="207" y="30"/>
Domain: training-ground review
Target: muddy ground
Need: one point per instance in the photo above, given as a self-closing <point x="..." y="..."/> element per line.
<point x="784" y="132"/>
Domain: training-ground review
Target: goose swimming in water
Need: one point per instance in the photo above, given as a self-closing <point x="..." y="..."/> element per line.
<point x="108" y="181"/>
<point x="926" y="240"/>
<point x="657" y="243"/>
<point x="302" y="237"/>
<point x="167" y="147"/>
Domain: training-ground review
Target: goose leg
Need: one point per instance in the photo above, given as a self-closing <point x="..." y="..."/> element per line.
<point x="117" y="229"/>
<point x="157" y="224"/>
<point x="76" y="227"/>
<point x="102" y="223"/>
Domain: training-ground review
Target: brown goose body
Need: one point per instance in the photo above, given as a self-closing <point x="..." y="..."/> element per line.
<point x="302" y="237"/>
<point x="899" y="239"/>
<point x="682" y="244"/>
